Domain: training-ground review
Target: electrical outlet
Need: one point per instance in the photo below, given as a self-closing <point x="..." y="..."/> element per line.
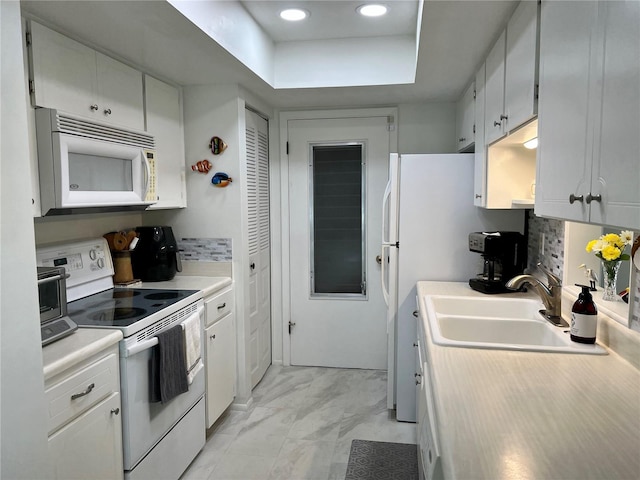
<point x="542" y="244"/>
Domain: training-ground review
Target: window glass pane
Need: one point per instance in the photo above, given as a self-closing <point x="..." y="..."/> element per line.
<point x="94" y="173"/>
<point x="337" y="219"/>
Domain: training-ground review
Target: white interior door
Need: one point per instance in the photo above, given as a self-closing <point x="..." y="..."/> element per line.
<point x="257" y="135"/>
<point x="337" y="322"/>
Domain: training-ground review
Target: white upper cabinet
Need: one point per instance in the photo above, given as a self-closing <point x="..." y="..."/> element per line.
<point x="480" y="161"/>
<point x="164" y="122"/>
<point x="589" y="119"/>
<point x="511" y="74"/>
<point x="494" y="92"/>
<point x="521" y="66"/>
<point x="465" y="118"/>
<point x="71" y="77"/>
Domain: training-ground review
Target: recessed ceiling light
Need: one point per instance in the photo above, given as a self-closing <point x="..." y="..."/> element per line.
<point x="531" y="144"/>
<point x="372" y="10"/>
<point x="294" y="14"/>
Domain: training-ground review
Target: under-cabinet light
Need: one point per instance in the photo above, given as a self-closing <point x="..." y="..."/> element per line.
<point x="531" y="144"/>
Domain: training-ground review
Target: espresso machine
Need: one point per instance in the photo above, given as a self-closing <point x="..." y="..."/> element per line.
<point x="504" y="257"/>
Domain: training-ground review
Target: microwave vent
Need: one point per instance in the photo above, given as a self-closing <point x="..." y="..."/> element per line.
<point x="97" y="131"/>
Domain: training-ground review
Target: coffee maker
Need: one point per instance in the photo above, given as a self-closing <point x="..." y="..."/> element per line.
<point x="504" y="257"/>
<point x="156" y="257"/>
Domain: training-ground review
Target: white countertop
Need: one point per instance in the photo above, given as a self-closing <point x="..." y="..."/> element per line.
<point x="532" y="415"/>
<point x="208" y="285"/>
<point x="75" y="348"/>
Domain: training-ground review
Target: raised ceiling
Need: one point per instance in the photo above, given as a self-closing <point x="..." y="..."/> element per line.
<point x="332" y="19"/>
<point x="153" y="35"/>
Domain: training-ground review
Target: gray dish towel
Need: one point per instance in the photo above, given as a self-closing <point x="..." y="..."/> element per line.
<point x="169" y="366"/>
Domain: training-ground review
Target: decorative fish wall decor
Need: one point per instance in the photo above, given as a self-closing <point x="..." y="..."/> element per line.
<point x="203" y="166"/>
<point x="221" y="179"/>
<point x="217" y="145"/>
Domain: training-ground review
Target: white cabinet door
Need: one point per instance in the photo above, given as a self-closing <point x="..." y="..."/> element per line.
<point x="616" y="172"/>
<point x="164" y="122"/>
<point x="480" y="160"/>
<point x="589" y="115"/>
<point x="465" y="118"/>
<point x="521" y="65"/>
<point x="494" y="123"/>
<point x="564" y="131"/>
<point x="120" y="93"/>
<point x="64" y="72"/>
<point x="91" y="445"/>
<point x="76" y="79"/>
<point x="220" y="354"/>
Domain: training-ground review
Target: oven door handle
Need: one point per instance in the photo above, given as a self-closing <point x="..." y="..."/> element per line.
<point x="51" y="279"/>
<point x="140" y="347"/>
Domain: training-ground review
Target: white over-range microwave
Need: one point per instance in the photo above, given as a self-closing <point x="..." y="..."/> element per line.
<point x="87" y="167"/>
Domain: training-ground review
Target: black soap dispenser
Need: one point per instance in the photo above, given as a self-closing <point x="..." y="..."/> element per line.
<point x="584" y="318"/>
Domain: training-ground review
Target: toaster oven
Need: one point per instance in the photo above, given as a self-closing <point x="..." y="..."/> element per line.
<point x="52" y="293"/>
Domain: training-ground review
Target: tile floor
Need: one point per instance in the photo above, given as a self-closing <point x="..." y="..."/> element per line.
<point x="300" y="426"/>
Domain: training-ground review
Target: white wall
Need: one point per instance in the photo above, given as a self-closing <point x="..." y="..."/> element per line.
<point x="23" y="421"/>
<point x="427" y="128"/>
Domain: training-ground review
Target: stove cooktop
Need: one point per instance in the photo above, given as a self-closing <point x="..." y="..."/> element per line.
<point x="122" y="308"/>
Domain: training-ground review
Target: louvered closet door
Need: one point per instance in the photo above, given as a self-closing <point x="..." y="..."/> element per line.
<point x="259" y="245"/>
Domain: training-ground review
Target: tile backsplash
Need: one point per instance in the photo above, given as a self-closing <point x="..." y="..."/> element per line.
<point x="205" y="249"/>
<point x="553" y="232"/>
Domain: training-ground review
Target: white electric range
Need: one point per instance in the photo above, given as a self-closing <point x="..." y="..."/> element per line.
<point x="159" y="439"/>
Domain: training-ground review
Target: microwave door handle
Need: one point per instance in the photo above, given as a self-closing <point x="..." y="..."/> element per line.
<point x="147" y="176"/>
<point x="52" y="278"/>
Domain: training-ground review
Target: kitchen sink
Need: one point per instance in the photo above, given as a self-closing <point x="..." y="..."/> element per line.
<point x="498" y="323"/>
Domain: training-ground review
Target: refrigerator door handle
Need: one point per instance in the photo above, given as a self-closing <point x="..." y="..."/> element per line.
<point x="385" y="218"/>
<point x="385" y="288"/>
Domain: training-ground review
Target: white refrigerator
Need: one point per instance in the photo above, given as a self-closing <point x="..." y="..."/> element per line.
<point x="428" y="213"/>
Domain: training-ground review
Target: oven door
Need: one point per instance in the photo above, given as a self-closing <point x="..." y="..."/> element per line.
<point x="144" y="423"/>
<point x="52" y="293"/>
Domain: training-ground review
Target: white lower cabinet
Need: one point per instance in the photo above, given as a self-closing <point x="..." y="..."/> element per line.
<point x="429" y="464"/>
<point x="91" y="445"/>
<point x="220" y="354"/>
<point x="84" y="419"/>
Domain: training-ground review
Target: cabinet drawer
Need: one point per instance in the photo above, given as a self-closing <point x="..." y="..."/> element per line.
<point x="218" y="306"/>
<point x="80" y="391"/>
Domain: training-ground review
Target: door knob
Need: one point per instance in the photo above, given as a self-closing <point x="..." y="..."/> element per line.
<point x="573" y="198"/>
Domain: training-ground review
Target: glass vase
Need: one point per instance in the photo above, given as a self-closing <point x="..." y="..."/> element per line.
<point x="610" y="270"/>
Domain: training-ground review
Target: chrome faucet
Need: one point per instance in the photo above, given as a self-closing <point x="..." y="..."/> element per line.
<point x="550" y="295"/>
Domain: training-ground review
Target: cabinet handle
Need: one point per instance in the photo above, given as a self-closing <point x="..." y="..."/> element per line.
<point x="418" y="381"/>
<point x="593" y="198"/>
<point x="212" y="337"/>
<point x="478" y="195"/>
<point x="220" y="307"/>
<point x="94" y="107"/>
<point x="573" y="198"/>
<point x="461" y="139"/>
<point x="504" y="117"/>
<point x="415" y="344"/>
<point x="252" y="266"/>
<point x="107" y="111"/>
<point x="418" y="375"/>
<point x="415" y="313"/>
<point x="115" y="411"/>
<point x="496" y="123"/>
<point x="82" y="394"/>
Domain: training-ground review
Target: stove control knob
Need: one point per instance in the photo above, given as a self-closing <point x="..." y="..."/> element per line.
<point x="92" y="254"/>
<point x="100" y="263"/>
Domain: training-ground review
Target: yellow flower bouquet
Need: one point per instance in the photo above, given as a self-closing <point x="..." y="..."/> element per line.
<point x="609" y="248"/>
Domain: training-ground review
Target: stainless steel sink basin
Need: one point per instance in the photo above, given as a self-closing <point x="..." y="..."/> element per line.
<point x="497" y="323"/>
